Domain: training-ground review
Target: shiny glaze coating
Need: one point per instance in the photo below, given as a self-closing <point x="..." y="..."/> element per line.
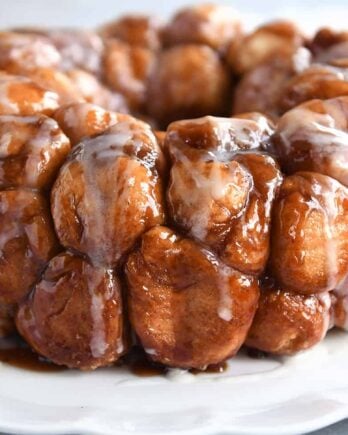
<point x="208" y="24"/>
<point x="126" y="70"/>
<point x="265" y="42"/>
<point x="187" y="308"/>
<point x="286" y="323"/>
<point x="186" y="82"/>
<point x="32" y="149"/>
<point x="27" y="242"/>
<point x="22" y="96"/>
<point x="109" y="192"/>
<point x="138" y="30"/>
<point x="80" y="120"/>
<point x="318" y="81"/>
<point x="93" y="91"/>
<point x="309" y="251"/>
<point x="251" y="93"/>
<point x="221" y="191"/>
<point x="26" y="52"/>
<point x="74" y="314"/>
<point x="329" y="45"/>
<point x="78" y="49"/>
<point x="58" y="82"/>
<point x="314" y="137"/>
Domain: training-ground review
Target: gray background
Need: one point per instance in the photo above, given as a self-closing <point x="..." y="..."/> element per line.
<point x="89" y="13"/>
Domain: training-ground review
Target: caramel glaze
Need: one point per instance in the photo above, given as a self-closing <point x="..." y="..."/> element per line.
<point x="139" y="364"/>
<point x="18" y="354"/>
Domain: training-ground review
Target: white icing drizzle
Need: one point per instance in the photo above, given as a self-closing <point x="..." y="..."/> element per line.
<point x="224" y="273"/>
<point x="327" y="133"/>
<point x="325" y="300"/>
<point x="209" y="187"/>
<point x="98" y="343"/>
<point x="48" y="100"/>
<point x="102" y="212"/>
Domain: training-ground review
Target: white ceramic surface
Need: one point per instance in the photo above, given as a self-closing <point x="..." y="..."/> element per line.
<point x="269" y="396"/>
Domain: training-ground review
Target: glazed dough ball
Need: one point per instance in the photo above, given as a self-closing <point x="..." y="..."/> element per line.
<point x="26" y="52"/>
<point x="187" y="308"/>
<point x="27" y="242"/>
<point x="22" y="96"/>
<point x="286" y="323"/>
<point x="314" y="137"/>
<point x="126" y="70"/>
<point x="188" y="81"/>
<point x="58" y="82"/>
<point x="32" y="149"/>
<point x="78" y="49"/>
<point x="93" y="91"/>
<point x="208" y="24"/>
<point x="261" y="88"/>
<point x="80" y="120"/>
<point x="74" y="314"/>
<point x="220" y="191"/>
<point x="268" y="41"/>
<point x="329" y="45"/>
<point x="318" y="81"/>
<point x="138" y="30"/>
<point x="109" y="192"/>
<point x="309" y="252"/>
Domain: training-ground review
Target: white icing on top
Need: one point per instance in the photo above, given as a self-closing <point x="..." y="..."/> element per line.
<point x="38" y="145"/>
<point x="99" y="277"/>
<point x="326" y="133"/>
<point x="28" y="51"/>
<point x="118" y="169"/>
<point x="48" y="100"/>
<point x="325" y="301"/>
<point x="78" y="48"/>
<point x="301" y="59"/>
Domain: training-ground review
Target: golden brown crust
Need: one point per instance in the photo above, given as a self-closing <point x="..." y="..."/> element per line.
<point x="176" y="84"/>
<point x="138" y="30"/>
<point x="109" y="192"/>
<point x="22" y="96"/>
<point x="187" y="308"/>
<point x="309" y="251"/>
<point x="208" y="24"/>
<point x="81" y="120"/>
<point x="21" y="53"/>
<point x="261" y="88"/>
<point x="269" y="40"/>
<point x="318" y="81"/>
<point x="74" y="314"/>
<point x="27" y="242"/>
<point x="32" y="150"/>
<point x="126" y="70"/>
<point x="286" y="323"/>
<point x="314" y="137"/>
<point x="220" y="191"/>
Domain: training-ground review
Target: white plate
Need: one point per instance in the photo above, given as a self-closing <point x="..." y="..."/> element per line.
<point x="270" y="396"/>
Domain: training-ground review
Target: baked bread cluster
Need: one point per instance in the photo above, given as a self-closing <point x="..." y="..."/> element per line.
<point x="182" y="186"/>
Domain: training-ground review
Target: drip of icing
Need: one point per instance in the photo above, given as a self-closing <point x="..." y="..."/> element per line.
<point x="225" y="306"/>
<point x="225" y="303"/>
<point x="209" y="188"/>
<point x="325" y="300"/>
<point x="98" y="343"/>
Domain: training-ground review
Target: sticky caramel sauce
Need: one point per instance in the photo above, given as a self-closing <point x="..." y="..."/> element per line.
<point x="17" y="354"/>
